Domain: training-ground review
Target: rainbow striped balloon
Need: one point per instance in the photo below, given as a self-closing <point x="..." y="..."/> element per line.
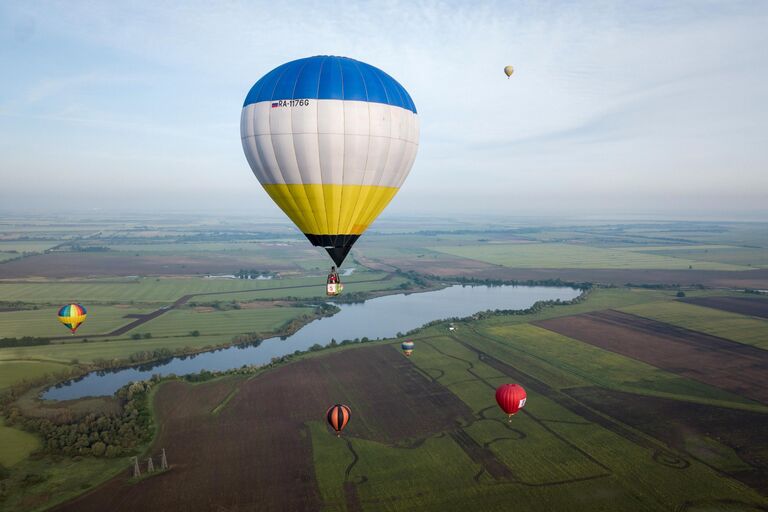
<point x="407" y="347"/>
<point x="331" y="140"/>
<point x="72" y="315"/>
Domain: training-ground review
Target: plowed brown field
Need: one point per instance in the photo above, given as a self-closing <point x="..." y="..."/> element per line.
<point x="255" y="452"/>
<point x="741" y="305"/>
<point x="738" y="368"/>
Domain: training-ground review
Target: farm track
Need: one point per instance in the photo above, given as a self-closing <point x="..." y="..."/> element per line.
<point x="722" y="363"/>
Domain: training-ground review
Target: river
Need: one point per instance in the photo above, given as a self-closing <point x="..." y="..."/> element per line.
<point x="382" y="317"/>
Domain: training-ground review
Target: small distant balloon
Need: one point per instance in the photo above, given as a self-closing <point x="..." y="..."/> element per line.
<point x="508" y="70"/>
<point x="407" y="347"/>
<point x="337" y="417"/>
<point x="72" y="315"/>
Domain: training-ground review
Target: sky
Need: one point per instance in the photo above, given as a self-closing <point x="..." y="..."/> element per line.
<point x="615" y="107"/>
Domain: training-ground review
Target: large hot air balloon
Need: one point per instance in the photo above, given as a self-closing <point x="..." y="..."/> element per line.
<point x="508" y="70"/>
<point x="338" y="416"/>
<point x="72" y="315"/>
<point x="407" y="347"/>
<point x="331" y="140"/>
<point x="511" y="398"/>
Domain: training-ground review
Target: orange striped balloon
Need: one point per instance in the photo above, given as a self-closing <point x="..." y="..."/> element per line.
<point x="338" y="417"/>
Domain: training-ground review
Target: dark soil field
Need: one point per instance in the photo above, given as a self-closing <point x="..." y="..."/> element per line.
<point x="218" y="456"/>
<point x="676" y="422"/>
<point x="738" y="368"/>
<point x="76" y="264"/>
<point x="742" y="305"/>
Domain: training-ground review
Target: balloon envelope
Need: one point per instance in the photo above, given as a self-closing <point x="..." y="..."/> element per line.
<point x="72" y="315"/>
<point x="338" y="417"/>
<point x="331" y="140"/>
<point x="407" y="347"/>
<point x="511" y="398"/>
<point x="508" y="70"/>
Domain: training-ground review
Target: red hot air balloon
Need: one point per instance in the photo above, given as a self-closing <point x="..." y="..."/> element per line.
<point x="337" y="417"/>
<point x="511" y="398"/>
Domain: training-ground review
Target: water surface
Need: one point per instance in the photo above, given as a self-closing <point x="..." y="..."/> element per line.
<point x="382" y="317"/>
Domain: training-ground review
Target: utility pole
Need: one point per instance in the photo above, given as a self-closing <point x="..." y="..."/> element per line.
<point x="163" y="461"/>
<point x="136" y="470"/>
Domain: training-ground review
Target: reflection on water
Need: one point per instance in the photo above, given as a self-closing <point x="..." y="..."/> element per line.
<point x="382" y="317"/>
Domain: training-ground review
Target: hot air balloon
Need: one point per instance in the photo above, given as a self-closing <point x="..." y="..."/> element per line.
<point x="72" y="315"/>
<point x="331" y="140"/>
<point x="508" y="70"/>
<point x="337" y="417"/>
<point x="511" y="398"/>
<point x="407" y="347"/>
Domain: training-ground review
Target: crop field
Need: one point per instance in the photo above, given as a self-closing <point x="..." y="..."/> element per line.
<point x="426" y="434"/>
<point x="743" y="256"/>
<point x="13" y="371"/>
<point x="15" y="445"/>
<point x="753" y="306"/>
<point x="209" y="322"/>
<point x="733" y="326"/>
<point x="556" y="255"/>
<point x="731" y="366"/>
<point x="164" y="290"/>
<point x="44" y="323"/>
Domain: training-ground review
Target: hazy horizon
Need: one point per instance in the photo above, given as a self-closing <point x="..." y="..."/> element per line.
<point x="651" y="110"/>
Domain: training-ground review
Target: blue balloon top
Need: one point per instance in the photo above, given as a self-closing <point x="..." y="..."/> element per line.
<point x="326" y="77"/>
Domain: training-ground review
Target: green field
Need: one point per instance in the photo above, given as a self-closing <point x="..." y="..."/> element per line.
<point x="558" y="255"/>
<point x="744" y="329"/>
<point x="744" y="256"/>
<point x="224" y="323"/>
<point x="557" y="459"/>
<point x="164" y="290"/>
<point x="564" y="362"/>
<point x="44" y="323"/>
<point x="13" y="371"/>
<point x="15" y="445"/>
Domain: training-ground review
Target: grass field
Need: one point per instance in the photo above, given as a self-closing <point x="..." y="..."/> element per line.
<point x="15" y="445"/>
<point x="557" y="255"/>
<point x="224" y="323"/>
<point x="44" y="323"/>
<point x="744" y="256"/>
<point x="163" y="290"/>
<point x="563" y="362"/>
<point x="13" y="371"/>
<point x="744" y="329"/>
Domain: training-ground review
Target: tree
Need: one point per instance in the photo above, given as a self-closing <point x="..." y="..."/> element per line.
<point x="681" y="294"/>
<point x="98" y="448"/>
